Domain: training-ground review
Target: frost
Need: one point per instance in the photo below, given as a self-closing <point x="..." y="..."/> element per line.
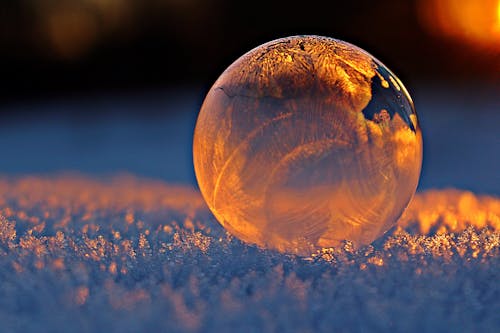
<point x="7" y="231"/>
<point x="133" y="255"/>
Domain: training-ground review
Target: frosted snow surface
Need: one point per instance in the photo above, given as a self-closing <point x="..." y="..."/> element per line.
<point x="131" y="255"/>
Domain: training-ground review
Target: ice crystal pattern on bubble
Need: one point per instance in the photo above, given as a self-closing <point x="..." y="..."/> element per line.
<point x="307" y="141"/>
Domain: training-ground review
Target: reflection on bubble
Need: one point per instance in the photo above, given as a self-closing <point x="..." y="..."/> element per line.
<point x="305" y="142"/>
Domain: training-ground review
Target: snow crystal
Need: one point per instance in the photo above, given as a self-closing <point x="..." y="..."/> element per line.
<point x="129" y="255"/>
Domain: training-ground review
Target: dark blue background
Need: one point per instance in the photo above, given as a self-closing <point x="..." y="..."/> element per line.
<point x="150" y="135"/>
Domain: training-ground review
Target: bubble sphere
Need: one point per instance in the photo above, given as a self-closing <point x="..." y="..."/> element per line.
<point x="305" y="142"/>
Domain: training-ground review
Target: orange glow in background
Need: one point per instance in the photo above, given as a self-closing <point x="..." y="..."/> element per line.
<point x="476" y="22"/>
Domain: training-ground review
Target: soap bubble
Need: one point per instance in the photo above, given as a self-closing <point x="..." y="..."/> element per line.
<point x="305" y="142"/>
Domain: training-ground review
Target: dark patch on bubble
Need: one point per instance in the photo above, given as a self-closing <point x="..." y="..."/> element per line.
<point x="389" y="99"/>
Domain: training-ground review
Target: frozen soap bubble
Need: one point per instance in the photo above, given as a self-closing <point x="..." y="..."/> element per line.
<point x="307" y="141"/>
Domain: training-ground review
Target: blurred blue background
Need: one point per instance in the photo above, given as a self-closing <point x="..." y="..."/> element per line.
<point x="101" y="87"/>
<point x="150" y="134"/>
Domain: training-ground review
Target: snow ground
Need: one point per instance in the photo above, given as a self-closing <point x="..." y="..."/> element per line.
<point x="83" y="254"/>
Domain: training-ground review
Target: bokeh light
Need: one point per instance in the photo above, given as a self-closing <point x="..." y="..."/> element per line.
<point x="475" y="22"/>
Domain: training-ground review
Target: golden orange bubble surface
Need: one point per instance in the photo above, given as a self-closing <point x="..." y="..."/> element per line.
<point x="305" y="142"/>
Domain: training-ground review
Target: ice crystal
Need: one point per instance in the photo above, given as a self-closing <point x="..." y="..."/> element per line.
<point x="131" y="255"/>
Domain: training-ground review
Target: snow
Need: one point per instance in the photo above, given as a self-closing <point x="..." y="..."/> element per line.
<point x="128" y="255"/>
